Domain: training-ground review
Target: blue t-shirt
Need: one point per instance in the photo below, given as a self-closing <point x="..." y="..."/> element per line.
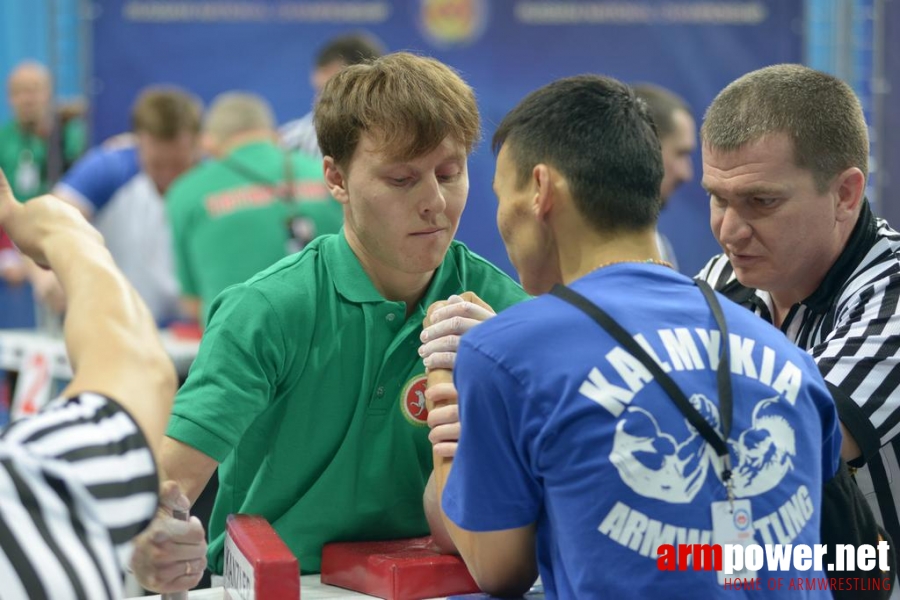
<point x="100" y="173"/>
<point x="127" y="208"/>
<point x="563" y="428"/>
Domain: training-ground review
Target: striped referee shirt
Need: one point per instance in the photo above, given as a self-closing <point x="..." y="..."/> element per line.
<point x="851" y="327"/>
<point x="300" y="135"/>
<point x="77" y="482"/>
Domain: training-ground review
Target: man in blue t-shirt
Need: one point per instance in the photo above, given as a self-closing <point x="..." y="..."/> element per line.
<point x="573" y="461"/>
<point x="120" y="187"/>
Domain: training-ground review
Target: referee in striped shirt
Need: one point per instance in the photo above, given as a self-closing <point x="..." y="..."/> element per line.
<point x="79" y="480"/>
<point x="785" y="162"/>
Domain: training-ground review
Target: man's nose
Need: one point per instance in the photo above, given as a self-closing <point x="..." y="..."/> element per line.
<point x="732" y="226"/>
<point x="432" y="196"/>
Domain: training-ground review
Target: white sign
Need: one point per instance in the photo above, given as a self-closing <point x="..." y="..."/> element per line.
<point x="33" y="386"/>
<point x="239" y="581"/>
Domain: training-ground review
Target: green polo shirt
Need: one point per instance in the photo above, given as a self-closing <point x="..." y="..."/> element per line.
<point x="17" y="147"/>
<point x="230" y="218"/>
<point x="308" y="390"/>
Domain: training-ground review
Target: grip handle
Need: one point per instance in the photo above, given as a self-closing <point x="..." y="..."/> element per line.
<point x="181" y="515"/>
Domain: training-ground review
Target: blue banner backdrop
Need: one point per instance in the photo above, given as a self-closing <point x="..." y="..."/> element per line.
<point x="503" y="48"/>
<point x="889" y="171"/>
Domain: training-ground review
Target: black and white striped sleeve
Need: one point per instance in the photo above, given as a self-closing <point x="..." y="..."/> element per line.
<point x="717" y="272"/>
<point x="77" y="482"/>
<point x="860" y="357"/>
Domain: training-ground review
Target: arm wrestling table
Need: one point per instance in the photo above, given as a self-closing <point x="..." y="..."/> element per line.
<point x="39" y="360"/>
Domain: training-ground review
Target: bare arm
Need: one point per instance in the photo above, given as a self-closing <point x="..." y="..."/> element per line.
<point x="170" y="555"/>
<point x="188" y="467"/>
<point x="47" y="287"/>
<point x="111" y="338"/>
<point x="501" y="562"/>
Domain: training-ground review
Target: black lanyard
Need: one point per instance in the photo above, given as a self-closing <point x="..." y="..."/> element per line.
<point x="255" y="176"/>
<point x="723" y="375"/>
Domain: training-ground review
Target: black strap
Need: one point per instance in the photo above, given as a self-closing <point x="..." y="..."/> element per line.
<point x="723" y="370"/>
<point x="723" y="375"/>
<point x="256" y="177"/>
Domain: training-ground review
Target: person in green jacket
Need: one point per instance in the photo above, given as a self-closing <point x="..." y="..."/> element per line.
<point x="308" y="389"/>
<point x="39" y="144"/>
<point x="247" y="207"/>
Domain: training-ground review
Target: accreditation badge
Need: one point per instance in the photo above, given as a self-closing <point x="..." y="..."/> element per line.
<point x="732" y="524"/>
<point x="28" y="176"/>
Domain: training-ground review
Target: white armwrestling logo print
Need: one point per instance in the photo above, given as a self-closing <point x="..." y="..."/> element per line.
<point x="656" y="465"/>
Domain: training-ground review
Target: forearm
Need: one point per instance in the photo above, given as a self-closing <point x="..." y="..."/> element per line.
<point x="112" y="341"/>
<point x="452" y="538"/>
<point x="497" y="568"/>
<point x="187" y="466"/>
<point x="435" y="517"/>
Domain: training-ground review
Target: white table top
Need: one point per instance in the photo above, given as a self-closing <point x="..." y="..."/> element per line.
<point x="311" y="588"/>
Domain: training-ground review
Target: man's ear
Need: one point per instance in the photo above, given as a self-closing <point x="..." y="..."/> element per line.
<point x="336" y="180"/>
<point x="850" y="187"/>
<point x="542" y="181"/>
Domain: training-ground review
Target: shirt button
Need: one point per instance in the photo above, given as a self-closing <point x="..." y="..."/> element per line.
<point x="391" y="317"/>
<point x="380" y="391"/>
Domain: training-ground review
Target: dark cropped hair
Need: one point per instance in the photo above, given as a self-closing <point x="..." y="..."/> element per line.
<point x="594" y="131"/>
<point x="662" y="104"/>
<point x="350" y="49"/>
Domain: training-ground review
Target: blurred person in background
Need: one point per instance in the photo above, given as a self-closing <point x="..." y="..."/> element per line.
<point x="120" y="188"/>
<point x="37" y="146"/>
<point x="677" y="133"/>
<point x="236" y="214"/>
<point x="337" y="53"/>
<point x="40" y="143"/>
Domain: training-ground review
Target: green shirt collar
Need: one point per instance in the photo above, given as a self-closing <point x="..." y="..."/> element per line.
<point x="353" y="283"/>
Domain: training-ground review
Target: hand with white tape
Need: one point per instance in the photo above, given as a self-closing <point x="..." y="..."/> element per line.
<point x="170" y="555"/>
<point x="447" y="323"/>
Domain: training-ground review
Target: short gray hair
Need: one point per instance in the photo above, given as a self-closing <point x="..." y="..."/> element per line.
<point x="233" y="113"/>
<point x="820" y="113"/>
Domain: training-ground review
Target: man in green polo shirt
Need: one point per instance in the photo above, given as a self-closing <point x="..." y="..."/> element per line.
<point x="243" y="211"/>
<point x="308" y="390"/>
<point x="37" y="145"/>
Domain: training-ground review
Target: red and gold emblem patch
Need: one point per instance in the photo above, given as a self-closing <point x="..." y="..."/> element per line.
<point x="412" y="400"/>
